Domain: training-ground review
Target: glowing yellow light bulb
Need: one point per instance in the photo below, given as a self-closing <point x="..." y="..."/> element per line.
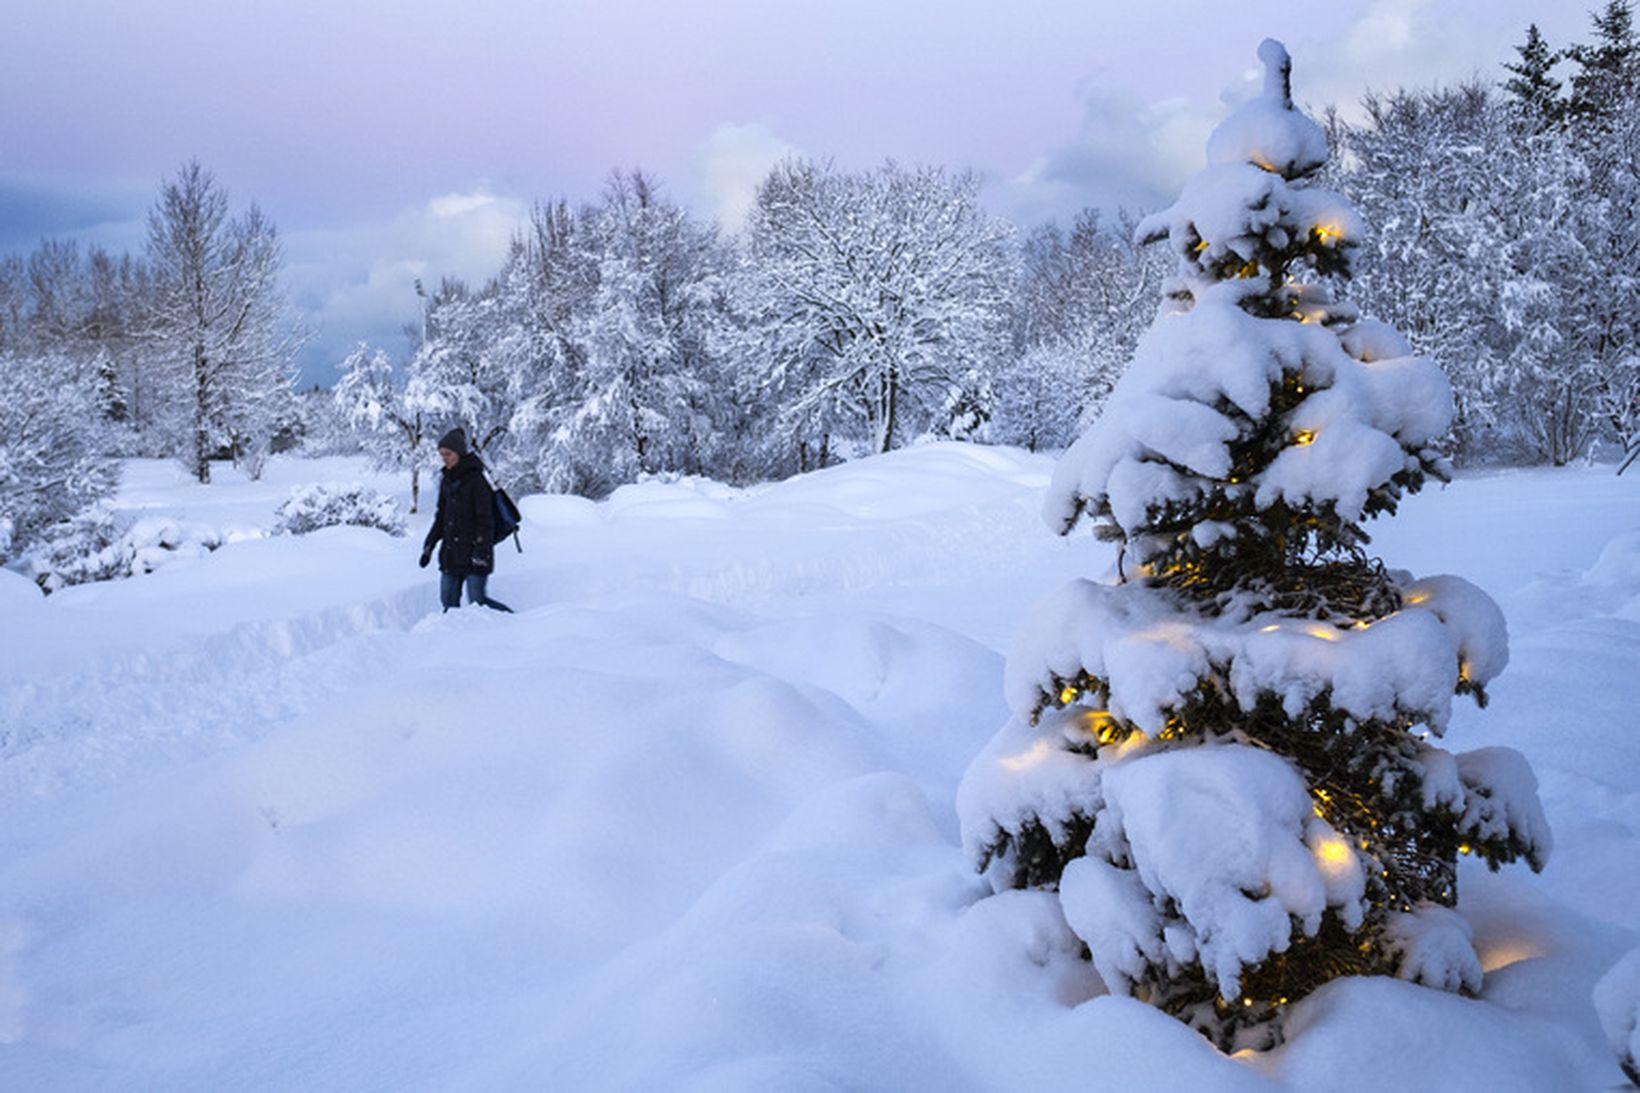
<point x="1303" y="437"/>
<point x="1333" y="852"/>
<point x="1068" y="695"/>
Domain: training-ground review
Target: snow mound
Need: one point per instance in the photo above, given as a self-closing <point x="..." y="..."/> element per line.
<point x="1618" y="564"/>
<point x="671" y="499"/>
<point x="559" y="510"/>
<point x="1617" y="1000"/>
<point x="17" y="591"/>
<point x="1377" y="1033"/>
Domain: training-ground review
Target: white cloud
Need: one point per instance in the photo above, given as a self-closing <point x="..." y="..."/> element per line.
<point x="1127" y="153"/>
<point x="358" y="283"/>
<point x="1136" y="152"/>
<point x="1417" y="43"/>
<point x="731" y="164"/>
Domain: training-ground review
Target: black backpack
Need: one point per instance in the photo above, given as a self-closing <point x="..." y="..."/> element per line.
<point x="507" y="518"/>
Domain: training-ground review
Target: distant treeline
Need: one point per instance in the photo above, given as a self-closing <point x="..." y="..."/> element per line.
<point x="857" y="311"/>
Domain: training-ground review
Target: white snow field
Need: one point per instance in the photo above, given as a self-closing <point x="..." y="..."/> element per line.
<point x="268" y="820"/>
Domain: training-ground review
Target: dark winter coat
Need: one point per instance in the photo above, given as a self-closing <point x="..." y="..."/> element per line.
<point x="464" y="520"/>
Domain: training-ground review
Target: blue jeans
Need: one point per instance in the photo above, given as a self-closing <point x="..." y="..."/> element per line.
<point x="449" y="590"/>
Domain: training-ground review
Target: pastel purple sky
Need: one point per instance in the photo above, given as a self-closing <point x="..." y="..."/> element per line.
<point x="396" y="139"/>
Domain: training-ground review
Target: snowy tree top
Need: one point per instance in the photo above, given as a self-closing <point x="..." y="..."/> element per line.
<point x="1268" y="132"/>
<point x="1252" y="394"/>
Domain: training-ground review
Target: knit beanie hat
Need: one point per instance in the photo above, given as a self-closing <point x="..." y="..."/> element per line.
<point x="455" y="440"/>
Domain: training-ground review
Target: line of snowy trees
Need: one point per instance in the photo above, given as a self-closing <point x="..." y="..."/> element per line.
<point x="1515" y="211"/>
<point x="857" y="312"/>
<point x="186" y="351"/>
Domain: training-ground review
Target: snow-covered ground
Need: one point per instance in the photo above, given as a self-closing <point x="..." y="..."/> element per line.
<point x="270" y="821"/>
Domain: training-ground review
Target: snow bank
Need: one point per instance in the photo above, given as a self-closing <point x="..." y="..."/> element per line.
<point x="270" y="820"/>
<point x="17" y="592"/>
<point x="1617" y="999"/>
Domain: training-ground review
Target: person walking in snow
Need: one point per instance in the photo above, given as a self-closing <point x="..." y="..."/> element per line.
<point x="465" y="522"/>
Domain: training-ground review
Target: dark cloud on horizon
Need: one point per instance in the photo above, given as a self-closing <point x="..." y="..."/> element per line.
<point x="33" y="212"/>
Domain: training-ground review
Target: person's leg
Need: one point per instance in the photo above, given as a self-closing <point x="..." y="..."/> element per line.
<point x="449" y="590"/>
<point x="476" y="592"/>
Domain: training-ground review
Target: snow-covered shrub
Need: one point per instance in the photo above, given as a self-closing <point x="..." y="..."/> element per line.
<point x="92" y="547"/>
<point x="1218" y="758"/>
<point x="1617" y="1000"/>
<point x="322" y="505"/>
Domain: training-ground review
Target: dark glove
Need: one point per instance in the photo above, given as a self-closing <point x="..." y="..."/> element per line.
<point x="426" y="556"/>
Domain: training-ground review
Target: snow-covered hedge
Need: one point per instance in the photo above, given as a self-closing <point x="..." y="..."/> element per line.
<point x="322" y="505"/>
<point x="92" y="547"/>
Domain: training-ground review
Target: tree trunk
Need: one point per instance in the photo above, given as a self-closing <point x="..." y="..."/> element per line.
<point x="890" y="403"/>
<point x="202" y="403"/>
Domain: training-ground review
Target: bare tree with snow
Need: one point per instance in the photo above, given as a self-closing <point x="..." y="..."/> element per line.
<point x="1081" y="303"/>
<point x="393" y="432"/>
<point x="871" y="299"/>
<point x="217" y="321"/>
<point x="649" y="396"/>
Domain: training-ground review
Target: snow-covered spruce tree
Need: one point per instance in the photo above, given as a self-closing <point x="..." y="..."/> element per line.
<point x="1221" y="758"/>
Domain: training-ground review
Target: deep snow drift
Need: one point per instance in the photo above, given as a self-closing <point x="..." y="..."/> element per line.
<point x="267" y="820"/>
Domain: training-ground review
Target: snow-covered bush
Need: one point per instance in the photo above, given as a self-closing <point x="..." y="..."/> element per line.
<point x="322" y="505"/>
<point x="1617" y="1000"/>
<point x="92" y="547"/>
<point x="52" y="461"/>
<point x="1218" y="758"/>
